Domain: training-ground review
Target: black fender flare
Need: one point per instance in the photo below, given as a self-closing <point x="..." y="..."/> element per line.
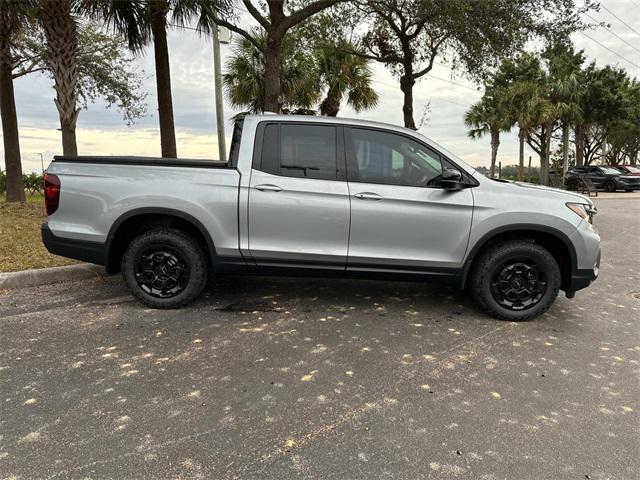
<point x="158" y="211"/>
<point x="464" y="271"/>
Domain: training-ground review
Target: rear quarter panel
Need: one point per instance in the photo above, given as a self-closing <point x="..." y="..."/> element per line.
<point x="94" y="196"/>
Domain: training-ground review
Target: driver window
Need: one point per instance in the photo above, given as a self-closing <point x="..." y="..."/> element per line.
<point x="381" y="157"/>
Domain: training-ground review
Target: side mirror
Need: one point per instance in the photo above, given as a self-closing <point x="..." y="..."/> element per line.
<point x="451" y="180"/>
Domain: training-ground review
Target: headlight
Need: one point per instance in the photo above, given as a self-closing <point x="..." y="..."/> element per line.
<point x="583" y="210"/>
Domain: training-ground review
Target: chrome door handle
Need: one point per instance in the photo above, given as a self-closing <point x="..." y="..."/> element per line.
<point x="368" y="196"/>
<point x="268" y="188"/>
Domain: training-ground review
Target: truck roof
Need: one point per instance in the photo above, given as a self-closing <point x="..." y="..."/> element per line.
<point x="331" y="120"/>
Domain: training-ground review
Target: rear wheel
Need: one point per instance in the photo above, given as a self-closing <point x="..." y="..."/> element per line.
<point x="609" y="186"/>
<point x="165" y="268"/>
<point x="515" y="280"/>
<point x="572" y="184"/>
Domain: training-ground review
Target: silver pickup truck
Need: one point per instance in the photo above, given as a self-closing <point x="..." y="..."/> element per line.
<point x="322" y="196"/>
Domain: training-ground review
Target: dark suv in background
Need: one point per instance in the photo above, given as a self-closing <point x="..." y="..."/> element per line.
<point x="604" y="178"/>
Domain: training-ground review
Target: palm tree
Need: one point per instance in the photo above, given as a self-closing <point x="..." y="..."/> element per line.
<point x="531" y="109"/>
<point x="14" y="15"/>
<point x="487" y="116"/>
<point x="245" y="76"/>
<point x="344" y="73"/>
<point x="142" y="20"/>
<point x="566" y="93"/>
<point x="277" y="18"/>
<point x="60" y="29"/>
<point x="566" y="90"/>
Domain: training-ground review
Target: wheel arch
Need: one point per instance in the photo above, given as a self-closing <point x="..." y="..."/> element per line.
<point x="134" y="222"/>
<point x="552" y="239"/>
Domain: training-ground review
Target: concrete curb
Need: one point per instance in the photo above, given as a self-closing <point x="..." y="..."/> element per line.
<point x="42" y="276"/>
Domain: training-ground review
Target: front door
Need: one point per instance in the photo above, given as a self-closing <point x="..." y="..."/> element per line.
<point x="401" y="219"/>
<point x="298" y="197"/>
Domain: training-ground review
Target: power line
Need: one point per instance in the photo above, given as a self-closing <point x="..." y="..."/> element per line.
<point x="622" y="21"/>
<point x="615" y="34"/>
<point x="612" y="51"/>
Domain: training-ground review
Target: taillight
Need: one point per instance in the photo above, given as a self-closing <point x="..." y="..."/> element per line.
<point x="51" y="193"/>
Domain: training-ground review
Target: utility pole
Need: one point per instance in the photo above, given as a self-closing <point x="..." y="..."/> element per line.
<point x="42" y="163"/>
<point x="217" y="72"/>
<point x="529" y="170"/>
<point x="499" y="169"/>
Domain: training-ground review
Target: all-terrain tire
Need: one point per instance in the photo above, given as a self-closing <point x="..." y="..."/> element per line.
<point x="159" y="255"/>
<point x="493" y="262"/>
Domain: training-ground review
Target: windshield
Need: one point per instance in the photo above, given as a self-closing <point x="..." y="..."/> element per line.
<point x="609" y="171"/>
<point x="632" y="169"/>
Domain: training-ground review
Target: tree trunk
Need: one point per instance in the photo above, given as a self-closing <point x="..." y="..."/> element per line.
<point x="10" y="137"/>
<point x="565" y="148"/>
<point x="521" y="139"/>
<point x="330" y="106"/>
<point x="579" y="144"/>
<point x="545" y="154"/>
<point x="406" y="85"/>
<point x="62" y="44"/>
<point x="272" y="88"/>
<point x="495" y="143"/>
<point x="159" y="10"/>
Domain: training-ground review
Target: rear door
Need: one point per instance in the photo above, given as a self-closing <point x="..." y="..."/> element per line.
<point x="401" y="219"/>
<point x="298" y="196"/>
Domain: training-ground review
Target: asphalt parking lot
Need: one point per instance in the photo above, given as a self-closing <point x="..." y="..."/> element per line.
<point x="325" y="379"/>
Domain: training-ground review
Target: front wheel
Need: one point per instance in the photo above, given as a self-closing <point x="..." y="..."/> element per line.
<point x="609" y="187"/>
<point x="515" y="280"/>
<point x="165" y="268"/>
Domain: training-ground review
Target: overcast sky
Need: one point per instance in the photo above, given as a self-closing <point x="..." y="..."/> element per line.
<point x="103" y="132"/>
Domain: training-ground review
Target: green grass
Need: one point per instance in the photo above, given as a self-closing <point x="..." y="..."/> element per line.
<point x="21" y="246"/>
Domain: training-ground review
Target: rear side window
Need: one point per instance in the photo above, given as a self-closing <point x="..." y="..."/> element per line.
<point x="306" y="151"/>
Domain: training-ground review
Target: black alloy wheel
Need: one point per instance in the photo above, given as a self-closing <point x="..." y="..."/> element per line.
<point x="160" y="272"/>
<point x="518" y="285"/>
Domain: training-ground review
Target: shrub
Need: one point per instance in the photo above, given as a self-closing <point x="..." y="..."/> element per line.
<point x="33" y="183"/>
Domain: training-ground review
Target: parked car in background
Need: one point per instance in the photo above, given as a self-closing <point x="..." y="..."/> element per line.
<point x="632" y="170"/>
<point x="320" y="196"/>
<point x="604" y="178"/>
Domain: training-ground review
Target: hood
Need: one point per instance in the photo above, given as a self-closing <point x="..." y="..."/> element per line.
<point x="547" y="191"/>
